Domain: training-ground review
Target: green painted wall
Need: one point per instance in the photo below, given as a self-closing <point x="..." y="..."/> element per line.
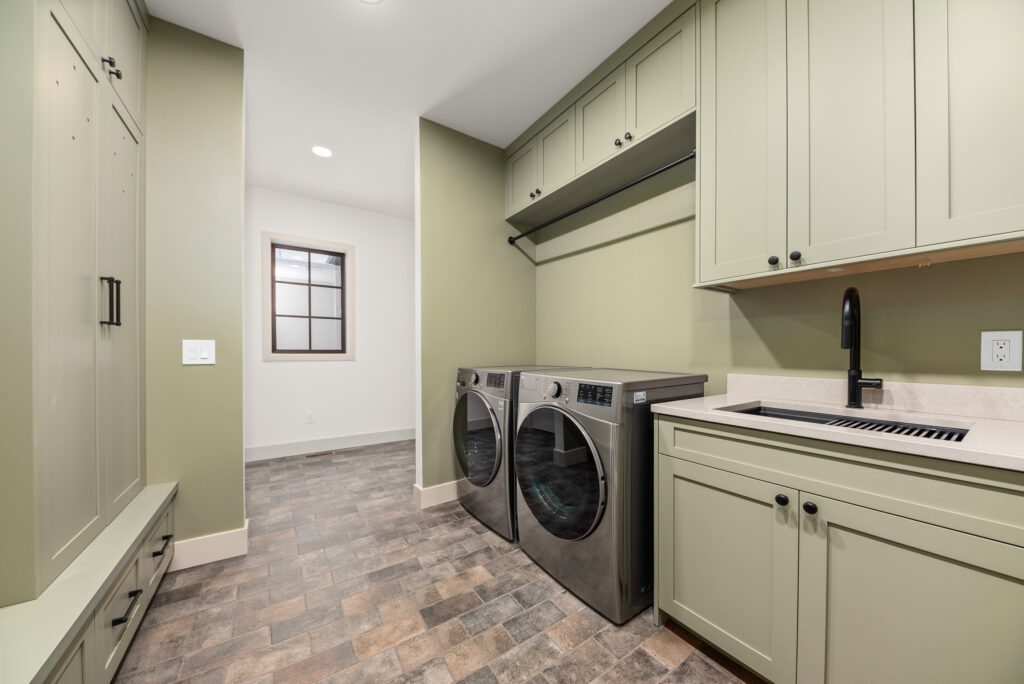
<point x="477" y="293"/>
<point x="195" y="190"/>
<point x="17" y="52"/>
<point x="919" y="325"/>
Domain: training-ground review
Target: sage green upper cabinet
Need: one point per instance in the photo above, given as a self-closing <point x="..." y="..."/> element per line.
<point x="601" y="121"/>
<point x="119" y="345"/>
<point x="970" y="142"/>
<point x="521" y="178"/>
<point x="742" y="192"/>
<point x="65" y="295"/>
<point x="661" y="77"/>
<point x="730" y="553"/>
<point x="85" y="15"/>
<point x="125" y="45"/>
<point x="887" y="599"/>
<point x="556" y="147"/>
<point x="851" y="128"/>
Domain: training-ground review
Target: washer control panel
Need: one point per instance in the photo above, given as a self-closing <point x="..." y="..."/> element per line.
<point x="597" y="395"/>
<point x="496" y="380"/>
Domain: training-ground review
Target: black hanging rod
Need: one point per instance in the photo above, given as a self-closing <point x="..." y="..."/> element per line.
<point x="641" y="179"/>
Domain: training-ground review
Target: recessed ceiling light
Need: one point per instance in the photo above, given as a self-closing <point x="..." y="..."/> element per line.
<point x="321" y="151"/>
<point x="371" y="2"/>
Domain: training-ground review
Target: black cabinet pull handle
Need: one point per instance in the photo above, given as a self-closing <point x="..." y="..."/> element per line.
<point x="117" y="286"/>
<point x="772" y="260"/>
<point x="618" y="143"/>
<point x="782" y="499"/>
<point x="134" y="595"/>
<point x="810" y="508"/>
<point x="110" y="320"/>
<point x="628" y="136"/>
<point x="795" y="255"/>
<point x="163" y="549"/>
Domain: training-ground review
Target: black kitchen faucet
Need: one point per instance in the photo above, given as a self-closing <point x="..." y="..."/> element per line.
<point x="851" y="341"/>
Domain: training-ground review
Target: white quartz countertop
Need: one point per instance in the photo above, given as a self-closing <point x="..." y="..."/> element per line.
<point x="996" y="442"/>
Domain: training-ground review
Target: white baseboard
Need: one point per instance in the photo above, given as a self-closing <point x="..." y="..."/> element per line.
<point x="425" y="497"/>
<point x="314" y="446"/>
<point x="212" y="547"/>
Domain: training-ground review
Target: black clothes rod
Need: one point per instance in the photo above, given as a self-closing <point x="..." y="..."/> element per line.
<point x="512" y="239"/>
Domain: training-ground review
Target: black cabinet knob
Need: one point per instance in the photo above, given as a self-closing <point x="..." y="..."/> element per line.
<point x="810" y="508"/>
<point x="532" y="195"/>
<point x="795" y="255"/>
<point x="773" y="260"/>
<point x="537" y="191"/>
<point x="629" y="136"/>
<point x="782" y="499"/>
<point x="109" y="60"/>
<point x="618" y="143"/>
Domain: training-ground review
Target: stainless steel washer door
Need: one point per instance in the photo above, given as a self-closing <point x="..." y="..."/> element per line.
<point x="477" y="439"/>
<point x="559" y="473"/>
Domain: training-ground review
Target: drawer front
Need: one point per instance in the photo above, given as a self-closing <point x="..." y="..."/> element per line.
<point x="156" y="553"/>
<point x="118" y="617"/>
<point x="987" y="502"/>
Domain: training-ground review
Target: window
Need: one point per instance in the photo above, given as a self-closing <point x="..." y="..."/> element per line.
<point x="309" y="307"/>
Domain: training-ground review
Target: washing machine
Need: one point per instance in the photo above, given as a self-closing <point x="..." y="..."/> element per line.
<point x="483" y="429"/>
<point x="584" y="463"/>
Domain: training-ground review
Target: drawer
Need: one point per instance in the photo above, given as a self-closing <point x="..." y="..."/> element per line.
<point x="117" y="618"/>
<point x="158" y="549"/>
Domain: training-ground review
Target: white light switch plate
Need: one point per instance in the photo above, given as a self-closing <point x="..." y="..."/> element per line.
<point x="1001" y="350"/>
<point x="198" y="352"/>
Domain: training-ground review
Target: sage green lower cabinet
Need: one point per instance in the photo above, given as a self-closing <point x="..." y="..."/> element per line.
<point x="78" y="665"/>
<point x="887" y="599"/>
<point x="814" y="562"/>
<point x="729" y="556"/>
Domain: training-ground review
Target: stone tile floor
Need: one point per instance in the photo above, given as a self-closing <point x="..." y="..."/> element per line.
<point x="346" y="581"/>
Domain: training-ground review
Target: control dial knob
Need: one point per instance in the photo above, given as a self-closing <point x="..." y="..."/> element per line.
<point x="474" y="379"/>
<point x="553" y="390"/>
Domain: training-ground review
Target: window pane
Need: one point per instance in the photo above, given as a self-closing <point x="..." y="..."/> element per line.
<point x="292" y="300"/>
<point x="326" y="269"/>
<point x="291" y="265"/>
<point x="326" y="302"/>
<point x="326" y="335"/>
<point x="292" y="333"/>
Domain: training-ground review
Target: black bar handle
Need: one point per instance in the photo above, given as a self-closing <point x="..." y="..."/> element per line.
<point x="163" y="549"/>
<point x="134" y="595"/>
<point x="117" y="284"/>
<point x="110" y="301"/>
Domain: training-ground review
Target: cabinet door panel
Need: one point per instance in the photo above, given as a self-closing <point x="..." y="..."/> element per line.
<point x="728" y="563"/>
<point x="520" y="178"/>
<point x="888" y="599"/>
<point x="85" y="15"/>
<point x="557" y="148"/>
<point x="661" y="78"/>
<point x="124" y="43"/>
<point x="742" y="161"/>
<point x="600" y="121"/>
<point x="851" y="128"/>
<point x="970" y="144"/>
<point x="68" y="472"/>
<point x="119" y="345"/>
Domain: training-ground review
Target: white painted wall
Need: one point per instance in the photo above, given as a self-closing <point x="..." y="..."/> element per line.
<point x="367" y="400"/>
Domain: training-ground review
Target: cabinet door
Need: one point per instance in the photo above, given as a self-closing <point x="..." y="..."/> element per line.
<point x="521" y="180"/>
<point x="970" y="142"/>
<point x="728" y="563"/>
<point x="851" y="128"/>
<point x="887" y="599"/>
<point x="661" y="78"/>
<point x="86" y="17"/>
<point x="601" y="121"/>
<point x="124" y="43"/>
<point x="78" y="665"/>
<point x="742" y="160"/>
<point x="120" y="446"/>
<point x="557" y="149"/>
<point x="68" y="474"/>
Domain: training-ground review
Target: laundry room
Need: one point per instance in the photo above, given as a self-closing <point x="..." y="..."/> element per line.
<point x="390" y="341"/>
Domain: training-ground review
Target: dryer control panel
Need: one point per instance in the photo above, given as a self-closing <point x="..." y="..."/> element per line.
<point x="496" y="380"/>
<point x="597" y="395"/>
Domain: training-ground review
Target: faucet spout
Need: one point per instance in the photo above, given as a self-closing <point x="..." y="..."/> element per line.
<point x="850" y="339"/>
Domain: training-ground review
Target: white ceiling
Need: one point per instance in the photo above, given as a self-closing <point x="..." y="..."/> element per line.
<point x="355" y="77"/>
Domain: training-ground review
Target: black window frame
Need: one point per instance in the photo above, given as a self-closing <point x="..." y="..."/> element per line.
<point x="309" y="284"/>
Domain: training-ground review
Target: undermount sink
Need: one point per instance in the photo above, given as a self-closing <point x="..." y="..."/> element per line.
<point x="902" y="429"/>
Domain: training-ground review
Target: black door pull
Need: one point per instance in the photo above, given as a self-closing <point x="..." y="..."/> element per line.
<point x="117" y="285"/>
<point x="163" y="549"/>
<point x="134" y="595"/>
<point x="110" y="320"/>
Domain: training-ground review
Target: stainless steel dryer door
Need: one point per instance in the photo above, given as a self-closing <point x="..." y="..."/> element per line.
<point x="559" y="472"/>
<point x="477" y="435"/>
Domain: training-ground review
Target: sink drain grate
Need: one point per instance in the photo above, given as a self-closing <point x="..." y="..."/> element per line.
<point x="903" y="429"/>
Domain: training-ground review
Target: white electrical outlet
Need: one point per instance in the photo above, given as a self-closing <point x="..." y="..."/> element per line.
<point x="198" y="352"/>
<point x="1001" y="350"/>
